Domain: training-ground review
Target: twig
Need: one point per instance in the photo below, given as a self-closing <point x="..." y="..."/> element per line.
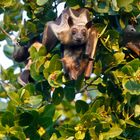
<point x="137" y="16"/>
<point x="83" y="89"/>
<point x="13" y="40"/>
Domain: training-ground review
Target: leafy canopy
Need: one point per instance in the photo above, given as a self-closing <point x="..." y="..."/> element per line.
<point x="109" y="105"/>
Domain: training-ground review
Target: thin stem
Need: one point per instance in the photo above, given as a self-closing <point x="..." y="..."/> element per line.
<point x="86" y="86"/>
<point x="13" y="40"/>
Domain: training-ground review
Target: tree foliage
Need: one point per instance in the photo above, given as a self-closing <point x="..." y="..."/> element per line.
<point x="46" y="108"/>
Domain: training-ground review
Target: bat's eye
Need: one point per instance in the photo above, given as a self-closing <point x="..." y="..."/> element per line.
<point x="74" y="31"/>
<point x="84" y="32"/>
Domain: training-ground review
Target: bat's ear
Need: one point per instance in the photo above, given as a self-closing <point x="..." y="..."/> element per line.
<point x="89" y="24"/>
<point x="70" y="21"/>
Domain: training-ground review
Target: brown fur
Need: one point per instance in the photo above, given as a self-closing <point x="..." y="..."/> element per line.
<point x="72" y="29"/>
<point x="73" y="68"/>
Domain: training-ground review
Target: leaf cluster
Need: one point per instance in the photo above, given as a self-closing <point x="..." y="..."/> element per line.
<point x="50" y="107"/>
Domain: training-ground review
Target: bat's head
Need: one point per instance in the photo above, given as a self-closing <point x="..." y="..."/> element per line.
<point x="78" y="32"/>
<point x="75" y="34"/>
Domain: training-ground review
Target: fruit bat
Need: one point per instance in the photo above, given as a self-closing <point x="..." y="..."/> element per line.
<point x="73" y="29"/>
<point x="131" y="39"/>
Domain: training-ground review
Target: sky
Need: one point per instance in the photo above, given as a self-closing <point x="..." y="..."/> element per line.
<point x="4" y="61"/>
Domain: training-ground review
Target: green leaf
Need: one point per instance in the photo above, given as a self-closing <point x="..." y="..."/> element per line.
<point x="37" y="50"/>
<point x="18" y="132"/>
<point x="78" y="83"/>
<point x="81" y="106"/>
<point x="102" y="7"/>
<point x="137" y="110"/>
<point x="54" y="137"/>
<point x="46" y="117"/>
<point x="92" y="133"/>
<point x="66" y="130"/>
<point x="34" y="101"/>
<point x="71" y="3"/>
<point x="98" y="67"/>
<point x="39" y="62"/>
<point x="8" y="51"/>
<point x="26" y="119"/>
<point x="119" y="57"/>
<point x="114" y="5"/>
<point x="14" y="98"/>
<point x="39" y="10"/>
<point x="125" y="4"/>
<point x="41" y="2"/>
<point x="135" y="64"/>
<point x="55" y="79"/>
<point x="97" y="103"/>
<point x="132" y="123"/>
<point x="6" y="3"/>
<point x="55" y="64"/>
<point x="7" y="119"/>
<point x="27" y="91"/>
<point x="2" y="36"/>
<point x="58" y="96"/>
<point x="3" y="106"/>
<point x="35" y="74"/>
<point x="132" y="87"/>
<point x="127" y="69"/>
<point x="2" y="130"/>
<point x="45" y="121"/>
<point x="49" y="110"/>
<point x="69" y="93"/>
<point x="112" y="133"/>
<point x="80" y="135"/>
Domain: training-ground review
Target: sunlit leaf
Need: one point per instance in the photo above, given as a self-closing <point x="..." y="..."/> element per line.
<point x="55" y="79"/>
<point x="119" y="57"/>
<point x="55" y="64"/>
<point x="112" y="133"/>
<point x="80" y="135"/>
<point x="137" y="110"/>
<point x="41" y="2"/>
<point x="34" y="101"/>
<point x="14" y="98"/>
<point x="132" y="86"/>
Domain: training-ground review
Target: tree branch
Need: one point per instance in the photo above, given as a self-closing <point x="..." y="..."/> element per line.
<point x="83" y="89"/>
<point x="14" y="41"/>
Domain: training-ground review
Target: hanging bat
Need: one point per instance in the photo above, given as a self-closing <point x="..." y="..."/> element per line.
<point x="21" y="53"/>
<point x="73" y="29"/>
<point x="74" y="58"/>
<point x="131" y="38"/>
<point x="79" y="40"/>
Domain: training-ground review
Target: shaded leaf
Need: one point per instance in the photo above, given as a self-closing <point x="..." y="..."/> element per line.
<point x="81" y="106"/>
<point x="69" y="93"/>
<point x="7" y="119"/>
<point x="58" y="96"/>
